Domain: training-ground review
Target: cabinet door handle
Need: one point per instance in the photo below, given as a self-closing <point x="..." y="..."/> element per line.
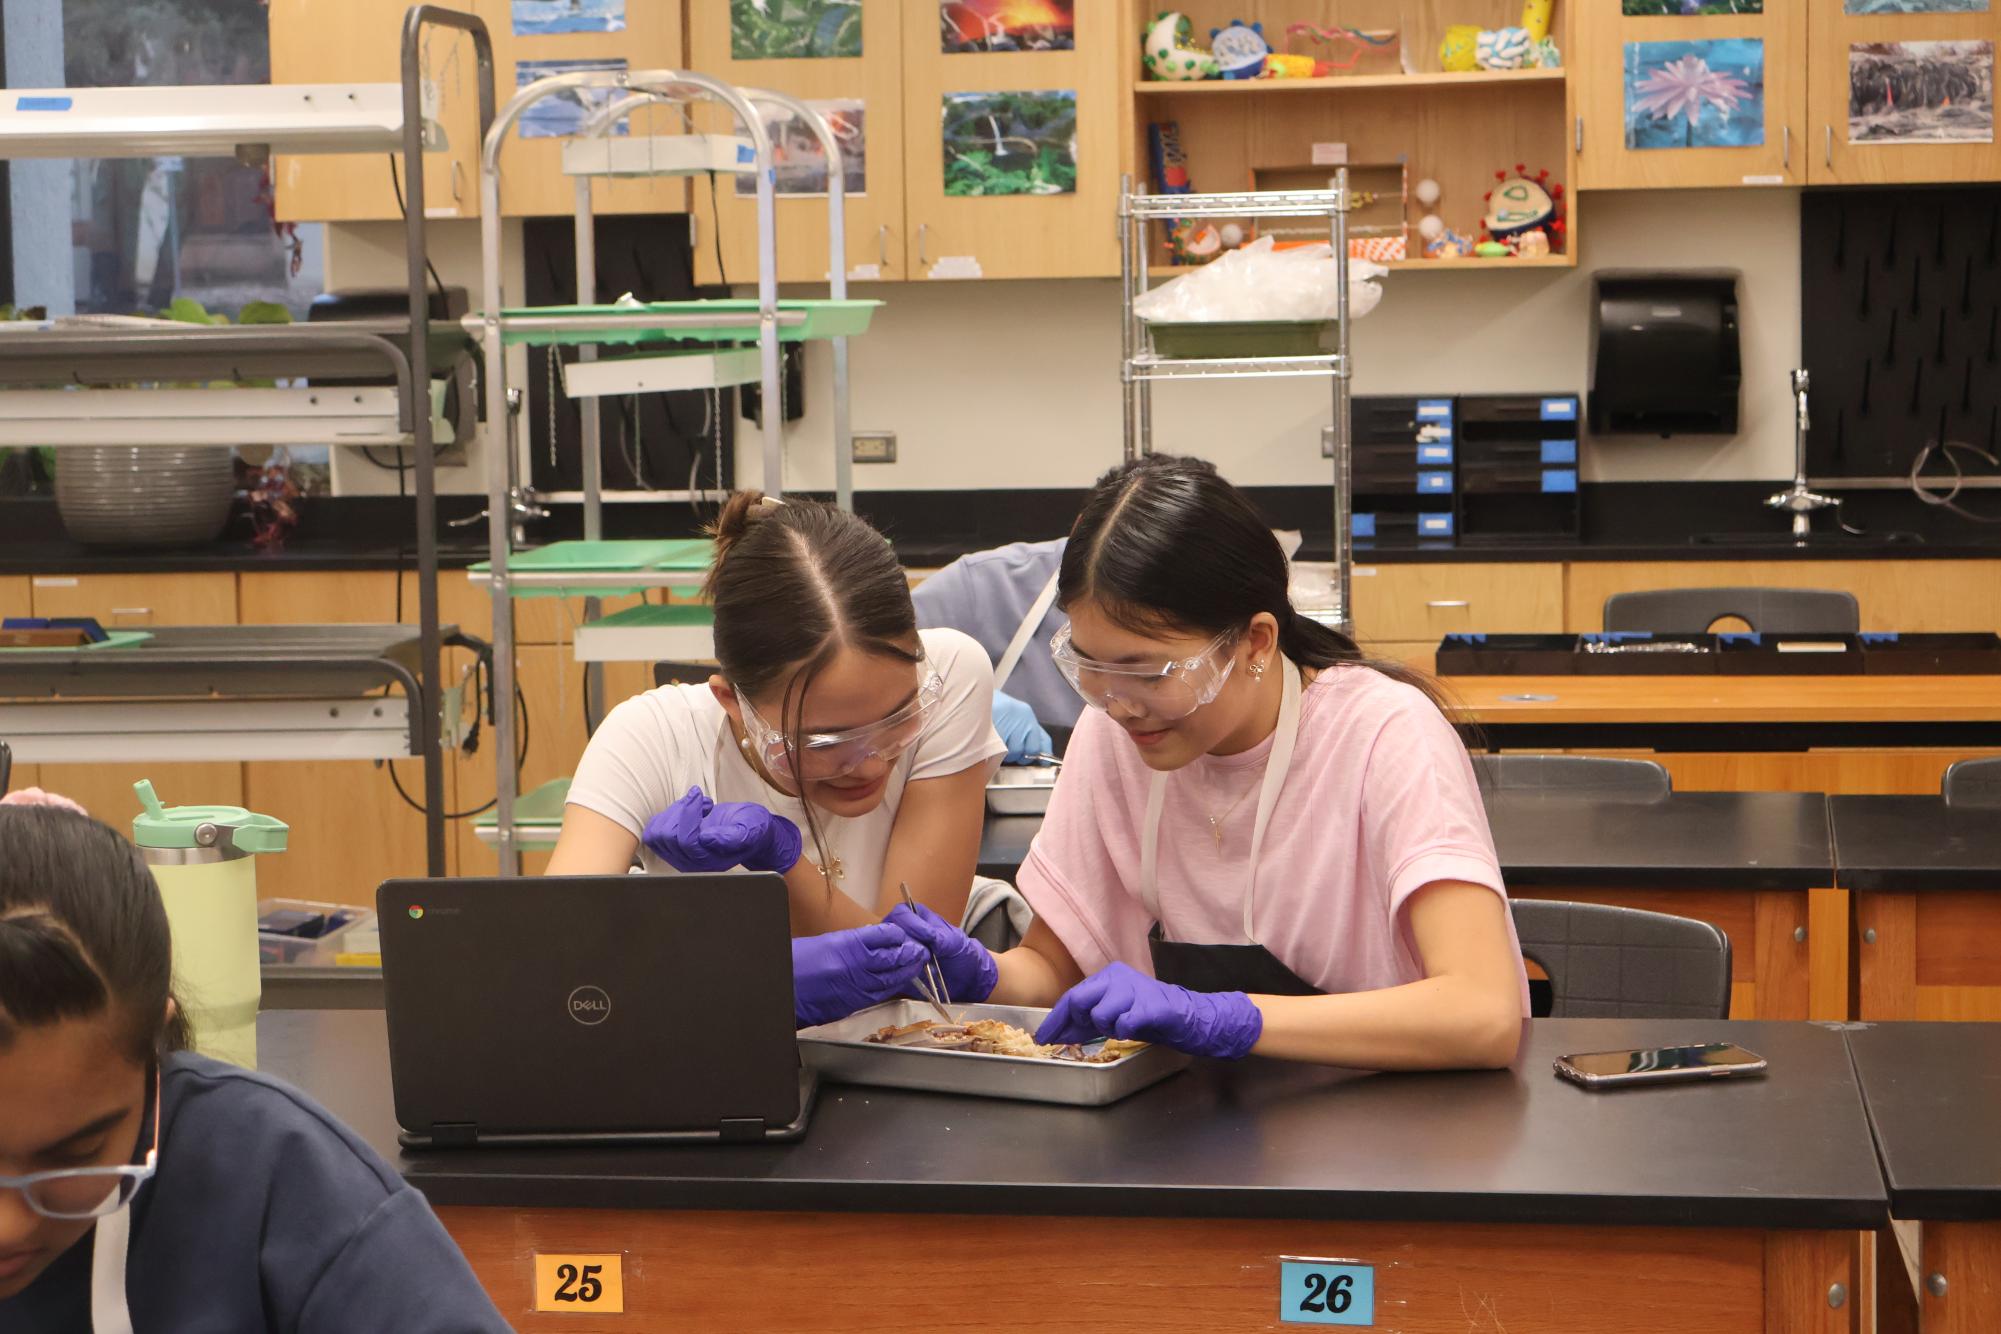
<point x="882" y="246"/>
<point x="1830" y="145"/>
<point x="1447" y="604"/>
<point x="1786" y="149"/>
<point x="136" y="613"/>
<point x="1580" y="134"/>
<point x="458" y="181"/>
<point x="923" y="234"/>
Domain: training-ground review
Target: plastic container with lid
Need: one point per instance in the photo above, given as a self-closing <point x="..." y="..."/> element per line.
<point x="202" y="858"/>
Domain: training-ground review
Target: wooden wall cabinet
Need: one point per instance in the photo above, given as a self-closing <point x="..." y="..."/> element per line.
<point x="1598" y="67"/>
<point x="906" y="225"/>
<point x="1835" y="158"/>
<point x="1458" y="129"/>
<point x="360" y="41"/>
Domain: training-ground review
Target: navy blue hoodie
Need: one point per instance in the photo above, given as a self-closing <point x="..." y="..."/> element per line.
<point x="267" y="1214"/>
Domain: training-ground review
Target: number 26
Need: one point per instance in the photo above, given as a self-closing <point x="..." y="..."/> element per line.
<point x="1324" y="1295"/>
<point x="588" y="1290"/>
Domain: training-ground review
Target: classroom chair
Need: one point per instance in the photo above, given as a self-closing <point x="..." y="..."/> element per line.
<point x="1772" y="611"/>
<point x="1606" y="962"/>
<point x="1582" y="775"/>
<point x="1973" y="783"/>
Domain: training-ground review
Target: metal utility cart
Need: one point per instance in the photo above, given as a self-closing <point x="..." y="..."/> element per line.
<point x="193" y="690"/>
<point x="728" y="328"/>
<point x="1142" y="366"/>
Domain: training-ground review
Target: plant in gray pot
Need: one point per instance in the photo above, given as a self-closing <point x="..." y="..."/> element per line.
<point x="153" y="495"/>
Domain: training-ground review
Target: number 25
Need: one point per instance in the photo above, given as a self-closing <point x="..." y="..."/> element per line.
<point x="1323" y="1294"/>
<point x="569" y="1289"/>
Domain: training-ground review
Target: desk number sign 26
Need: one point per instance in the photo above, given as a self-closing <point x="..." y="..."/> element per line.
<point x="1326" y="1292"/>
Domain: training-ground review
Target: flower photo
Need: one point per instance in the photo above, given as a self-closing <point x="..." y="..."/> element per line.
<point x="1708" y="94"/>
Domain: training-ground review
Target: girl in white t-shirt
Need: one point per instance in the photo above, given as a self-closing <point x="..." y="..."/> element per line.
<point x="1259" y="842"/>
<point x="839" y="746"/>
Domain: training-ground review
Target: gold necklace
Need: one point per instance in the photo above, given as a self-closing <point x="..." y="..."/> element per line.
<point x="1216" y="821"/>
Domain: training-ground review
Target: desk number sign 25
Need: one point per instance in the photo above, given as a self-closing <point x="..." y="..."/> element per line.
<point x="1326" y="1292"/>
<point x="580" y="1283"/>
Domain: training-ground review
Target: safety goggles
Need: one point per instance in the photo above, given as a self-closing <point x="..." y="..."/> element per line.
<point x="1160" y="690"/>
<point x="825" y="755"/>
<point x="75" y="1193"/>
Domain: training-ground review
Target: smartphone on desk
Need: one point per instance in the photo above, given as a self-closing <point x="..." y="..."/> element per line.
<point x="1659" y="1065"/>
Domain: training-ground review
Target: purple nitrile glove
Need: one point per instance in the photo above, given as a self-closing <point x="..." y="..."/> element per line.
<point x="696" y="834"/>
<point x="969" y="967"/>
<point x="843" y="971"/>
<point x="1121" y="1002"/>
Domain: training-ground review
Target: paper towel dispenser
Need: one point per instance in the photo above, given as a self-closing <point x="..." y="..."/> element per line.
<point x="1664" y="354"/>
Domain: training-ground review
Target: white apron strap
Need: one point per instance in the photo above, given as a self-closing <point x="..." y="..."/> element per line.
<point x="108" y="1312"/>
<point x="1025" y="632"/>
<point x="1277" y="765"/>
<point x="1149" y="847"/>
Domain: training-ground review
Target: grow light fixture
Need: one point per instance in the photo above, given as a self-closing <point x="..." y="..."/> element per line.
<point x="248" y="122"/>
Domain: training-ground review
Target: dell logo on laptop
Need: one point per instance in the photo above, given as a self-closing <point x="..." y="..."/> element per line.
<point x="589" y="1005"/>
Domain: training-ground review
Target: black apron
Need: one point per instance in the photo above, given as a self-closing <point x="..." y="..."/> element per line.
<point x="1249" y="968"/>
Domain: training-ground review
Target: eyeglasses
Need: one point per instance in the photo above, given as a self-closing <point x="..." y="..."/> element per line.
<point x="77" y="1193"/>
<point x="1164" y="690"/>
<point x="825" y="755"/>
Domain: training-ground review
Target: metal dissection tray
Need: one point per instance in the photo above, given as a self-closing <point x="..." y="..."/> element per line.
<point x="838" y="1052"/>
<point x="1021" y="789"/>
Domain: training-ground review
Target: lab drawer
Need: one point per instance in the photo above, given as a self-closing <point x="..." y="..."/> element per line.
<point x="1389" y="420"/>
<point x="1427" y="602"/>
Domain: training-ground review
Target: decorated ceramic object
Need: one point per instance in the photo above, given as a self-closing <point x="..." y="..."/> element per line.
<point x="1491" y="250"/>
<point x="1503" y="48"/>
<point x="1241" y="49"/>
<point x="1522" y="203"/>
<point x="1459" y="52"/>
<point x="1536" y="16"/>
<point x="1171" y="52"/>
<point x="1545" y="55"/>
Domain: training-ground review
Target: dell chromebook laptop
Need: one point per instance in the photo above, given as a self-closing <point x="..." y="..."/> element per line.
<point x="634" y="1009"/>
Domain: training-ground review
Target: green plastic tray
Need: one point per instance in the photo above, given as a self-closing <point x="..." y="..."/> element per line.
<point x="1255" y="338"/>
<point x="824" y="319"/>
<point x="658" y="615"/>
<point x="613" y="556"/>
<point x="113" y="639"/>
<point x="540" y="808"/>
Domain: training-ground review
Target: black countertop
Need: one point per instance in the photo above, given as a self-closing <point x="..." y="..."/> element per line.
<point x="1686" y="840"/>
<point x="1906" y="844"/>
<point x="1256" y="1140"/>
<point x="1933" y="1092"/>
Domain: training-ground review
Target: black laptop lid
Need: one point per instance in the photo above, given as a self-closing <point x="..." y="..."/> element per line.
<point x="589" y="1004"/>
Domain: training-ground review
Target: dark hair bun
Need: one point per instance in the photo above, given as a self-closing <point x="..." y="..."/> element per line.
<point x="739" y="512"/>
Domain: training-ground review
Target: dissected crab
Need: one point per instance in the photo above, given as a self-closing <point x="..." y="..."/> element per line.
<point x="991" y="1037"/>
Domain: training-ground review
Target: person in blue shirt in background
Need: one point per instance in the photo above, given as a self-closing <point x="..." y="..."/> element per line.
<point x="1006" y="599"/>
<point x="145" y="1187"/>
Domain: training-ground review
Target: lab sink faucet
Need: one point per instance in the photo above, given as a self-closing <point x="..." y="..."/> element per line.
<point x="1798" y="499"/>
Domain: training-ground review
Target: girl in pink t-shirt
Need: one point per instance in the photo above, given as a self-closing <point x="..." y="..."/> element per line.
<point x="1258" y="843"/>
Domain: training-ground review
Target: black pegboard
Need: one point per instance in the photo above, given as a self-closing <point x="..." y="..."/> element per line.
<point x="1901" y="324"/>
<point x="667" y="435"/>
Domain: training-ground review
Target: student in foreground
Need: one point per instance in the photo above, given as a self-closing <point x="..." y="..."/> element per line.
<point x="144" y="1187"/>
